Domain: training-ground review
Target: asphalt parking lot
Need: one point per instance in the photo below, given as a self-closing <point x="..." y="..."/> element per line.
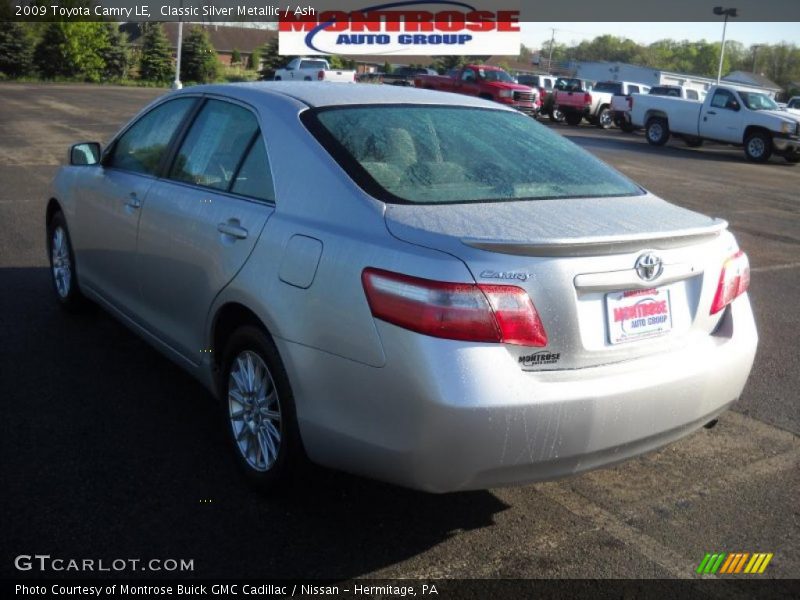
<point x="109" y="451"/>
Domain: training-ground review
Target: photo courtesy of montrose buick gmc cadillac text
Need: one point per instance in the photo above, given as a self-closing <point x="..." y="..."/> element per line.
<point x="425" y="288"/>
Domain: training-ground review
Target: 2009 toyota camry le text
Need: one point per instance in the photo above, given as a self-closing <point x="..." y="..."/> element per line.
<point x="421" y="287"/>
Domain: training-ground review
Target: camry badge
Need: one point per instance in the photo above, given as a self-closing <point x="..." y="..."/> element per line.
<point x="648" y="267"/>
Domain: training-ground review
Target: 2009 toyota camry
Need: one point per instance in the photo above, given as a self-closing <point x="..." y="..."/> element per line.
<point x="421" y="287"/>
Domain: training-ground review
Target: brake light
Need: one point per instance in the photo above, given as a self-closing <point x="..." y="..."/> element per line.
<point x="733" y="281"/>
<point x="320" y="75"/>
<point x="456" y="311"/>
<point x="630" y="102"/>
<point x="587" y="98"/>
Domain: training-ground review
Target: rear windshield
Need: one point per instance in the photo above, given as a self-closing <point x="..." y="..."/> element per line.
<point x="609" y="87"/>
<point x="444" y="154"/>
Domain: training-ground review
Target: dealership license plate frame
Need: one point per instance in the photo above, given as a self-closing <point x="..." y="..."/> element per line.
<point x="621" y="332"/>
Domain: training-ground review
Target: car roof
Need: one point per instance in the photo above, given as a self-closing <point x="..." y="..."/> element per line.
<point x="321" y="94"/>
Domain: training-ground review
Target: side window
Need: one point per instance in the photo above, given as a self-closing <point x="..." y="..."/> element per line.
<point x="721" y="99"/>
<point x="468" y="75"/>
<point x="633" y="89"/>
<point x="215" y="145"/>
<point x="691" y="95"/>
<point x="254" y="178"/>
<point x="143" y="146"/>
<point x="548" y="84"/>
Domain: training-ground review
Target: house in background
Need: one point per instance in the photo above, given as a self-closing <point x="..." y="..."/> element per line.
<point x="225" y="39"/>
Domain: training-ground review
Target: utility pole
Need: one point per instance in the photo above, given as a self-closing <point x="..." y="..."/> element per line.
<point x="728" y="12"/>
<point x="755" y="53"/>
<point x="550" y="56"/>
<point x="176" y="85"/>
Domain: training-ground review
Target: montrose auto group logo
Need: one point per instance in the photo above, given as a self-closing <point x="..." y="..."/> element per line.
<point x="407" y="27"/>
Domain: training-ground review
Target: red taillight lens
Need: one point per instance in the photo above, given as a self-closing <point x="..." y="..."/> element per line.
<point x="587" y="98"/>
<point x="456" y="311"/>
<point x="320" y="75"/>
<point x="733" y="281"/>
<point x="630" y="102"/>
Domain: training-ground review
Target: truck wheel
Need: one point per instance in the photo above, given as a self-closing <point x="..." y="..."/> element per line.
<point x="758" y="147"/>
<point x="278" y="78"/>
<point x="657" y="131"/>
<point x="693" y="142"/>
<point x="307" y="78"/>
<point x="573" y="118"/>
<point x="556" y="116"/>
<point x="605" y="119"/>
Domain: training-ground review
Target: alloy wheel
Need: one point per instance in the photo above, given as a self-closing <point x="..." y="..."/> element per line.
<point x="62" y="264"/>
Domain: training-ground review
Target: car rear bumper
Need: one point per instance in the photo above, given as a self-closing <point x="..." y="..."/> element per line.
<point x="444" y="416"/>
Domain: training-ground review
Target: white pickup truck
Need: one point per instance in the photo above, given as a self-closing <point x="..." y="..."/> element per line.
<point x="313" y="69"/>
<point x="621" y="105"/>
<point x="728" y="115"/>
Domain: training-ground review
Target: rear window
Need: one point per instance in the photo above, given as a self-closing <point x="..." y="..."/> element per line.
<point x="443" y="154"/>
<point x="609" y="87"/>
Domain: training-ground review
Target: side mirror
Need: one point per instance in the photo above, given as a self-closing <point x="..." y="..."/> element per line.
<point x="85" y="153"/>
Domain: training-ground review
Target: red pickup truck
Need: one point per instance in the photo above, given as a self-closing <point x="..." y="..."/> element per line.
<point x="484" y="81"/>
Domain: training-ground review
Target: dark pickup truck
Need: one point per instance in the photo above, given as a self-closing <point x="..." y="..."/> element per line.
<point x="405" y="75"/>
<point x="484" y="81"/>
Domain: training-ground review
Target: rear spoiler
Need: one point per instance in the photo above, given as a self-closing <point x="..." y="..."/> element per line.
<point x="593" y="246"/>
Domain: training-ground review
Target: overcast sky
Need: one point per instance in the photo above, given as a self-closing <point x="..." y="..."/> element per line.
<point x="534" y="34"/>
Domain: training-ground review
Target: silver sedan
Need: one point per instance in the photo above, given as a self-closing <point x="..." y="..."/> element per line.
<point x="420" y="287"/>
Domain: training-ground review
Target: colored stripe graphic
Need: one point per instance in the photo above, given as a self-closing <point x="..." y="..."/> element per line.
<point x="734" y="563"/>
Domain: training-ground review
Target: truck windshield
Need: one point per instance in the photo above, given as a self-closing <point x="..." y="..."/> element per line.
<point x="314" y="64"/>
<point x="491" y="75"/>
<point x="422" y="154"/>
<point x="756" y="101"/>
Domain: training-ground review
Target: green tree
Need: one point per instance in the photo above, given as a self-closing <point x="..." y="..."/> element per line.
<point x="72" y="49"/>
<point x="16" y="49"/>
<point x="155" y="63"/>
<point x="236" y="57"/>
<point x="271" y="60"/>
<point x="116" y="55"/>
<point x="254" y="60"/>
<point x="445" y="63"/>
<point x="387" y="68"/>
<point x="199" y="62"/>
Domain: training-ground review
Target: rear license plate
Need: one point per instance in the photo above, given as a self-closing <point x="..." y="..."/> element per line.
<point x="637" y="314"/>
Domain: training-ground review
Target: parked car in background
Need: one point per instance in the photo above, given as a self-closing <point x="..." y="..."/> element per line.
<point x="313" y="69"/>
<point x="429" y="289"/>
<point x="793" y="105"/>
<point x="405" y="75"/>
<point x="484" y="81"/>
<point x="376" y="77"/>
<point x="545" y="84"/>
<point x="621" y="105"/>
<point x="728" y="115"/>
<point x="572" y="99"/>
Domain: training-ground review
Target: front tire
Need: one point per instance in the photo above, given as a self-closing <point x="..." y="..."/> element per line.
<point x="258" y="407"/>
<point x="573" y="118"/>
<point x="62" y="265"/>
<point x="758" y="147"/>
<point x="657" y="131"/>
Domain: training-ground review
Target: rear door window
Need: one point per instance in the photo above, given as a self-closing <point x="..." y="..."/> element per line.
<point x="213" y="150"/>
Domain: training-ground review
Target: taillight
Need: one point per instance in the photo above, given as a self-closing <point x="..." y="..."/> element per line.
<point x="587" y="98"/>
<point x="733" y="281"/>
<point x="320" y="75"/>
<point x="455" y="311"/>
<point x="630" y="102"/>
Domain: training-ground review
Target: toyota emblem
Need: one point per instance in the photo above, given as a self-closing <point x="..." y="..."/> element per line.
<point x="648" y="266"/>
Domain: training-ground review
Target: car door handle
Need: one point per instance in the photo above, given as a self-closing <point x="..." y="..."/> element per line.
<point x="133" y="201"/>
<point x="711" y="112"/>
<point x="232" y="230"/>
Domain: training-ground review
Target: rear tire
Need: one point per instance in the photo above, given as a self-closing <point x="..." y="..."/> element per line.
<point x="573" y="118"/>
<point x="605" y="119"/>
<point x="62" y="265"/>
<point x="758" y="147"/>
<point x="626" y="127"/>
<point x="556" y="116"/>
<point x="259" y="411"/>
<point x="657" y="131"/>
